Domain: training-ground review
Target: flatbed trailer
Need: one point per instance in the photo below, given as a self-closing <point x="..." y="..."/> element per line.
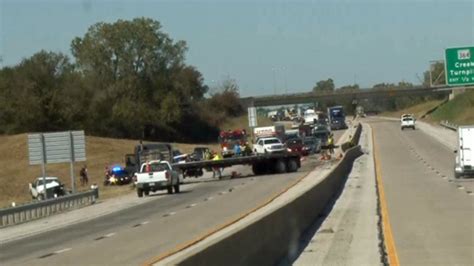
<point x="261" y="164"/>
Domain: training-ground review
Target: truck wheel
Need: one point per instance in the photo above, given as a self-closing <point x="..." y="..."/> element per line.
<point x="292" y="166"/>
<point x="140" y="192"/>
<point x="255" y="169"/>
<point x="280" y="167"/>
<point x="146" y="192"/>
<point x="176" y="188"/>
<point x="258" y="168"/>
<point x="170" y="189"/>
<point x="413" y="128"/>
<point x="265" y="151"/>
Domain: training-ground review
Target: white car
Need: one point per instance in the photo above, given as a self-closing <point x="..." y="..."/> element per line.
<point x="54" y="188"/>
<point x="268" y="145"/>
<point x="408" y="122"/>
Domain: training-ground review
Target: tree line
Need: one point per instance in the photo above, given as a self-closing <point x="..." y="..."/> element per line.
<point x="126" y="79"/>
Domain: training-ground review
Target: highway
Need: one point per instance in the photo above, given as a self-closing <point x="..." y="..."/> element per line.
<point x="137" y="234"/>
<point x="431" y="214"/>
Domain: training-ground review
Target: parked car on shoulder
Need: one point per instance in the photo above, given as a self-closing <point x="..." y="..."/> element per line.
<point x="46" y="188"/>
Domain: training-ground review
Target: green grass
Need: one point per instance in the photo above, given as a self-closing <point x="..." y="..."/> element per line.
<point x="460" y="110"/>
<point x="418" y="110"/>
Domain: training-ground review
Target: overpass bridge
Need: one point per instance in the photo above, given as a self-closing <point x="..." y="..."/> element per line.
<point x="310" y="97"/>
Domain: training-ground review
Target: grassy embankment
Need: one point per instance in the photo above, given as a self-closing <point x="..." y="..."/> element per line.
<point x="15" y="172"/>
<point x="460" y="110"/>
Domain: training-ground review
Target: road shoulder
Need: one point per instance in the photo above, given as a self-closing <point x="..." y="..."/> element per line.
<point x="349" y="235"/>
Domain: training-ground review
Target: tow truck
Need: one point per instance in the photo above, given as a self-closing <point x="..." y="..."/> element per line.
<point x="286" y="162"/>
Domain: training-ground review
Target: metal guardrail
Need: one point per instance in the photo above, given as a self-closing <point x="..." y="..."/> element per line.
<point x="447" y="124"/>
<point x="40" y="209"/>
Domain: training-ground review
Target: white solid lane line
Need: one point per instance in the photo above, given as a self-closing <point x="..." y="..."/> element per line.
<point x="62" y="250"/>
<point x="169" y="214"/>
<point x="109" y="234"/>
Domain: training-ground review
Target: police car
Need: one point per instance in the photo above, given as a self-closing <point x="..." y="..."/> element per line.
<point x="118" y="176"/>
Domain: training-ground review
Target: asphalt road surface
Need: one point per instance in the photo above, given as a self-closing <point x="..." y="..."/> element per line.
<point x="133" y="236"/>
<point x="431" y="213"/>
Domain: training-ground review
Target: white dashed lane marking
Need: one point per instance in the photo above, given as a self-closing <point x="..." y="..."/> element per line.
<point x="169" y="214"/>
<point x="54" y="253"/>
<point x="104" y="236"/>
<point x="62" y="250"/>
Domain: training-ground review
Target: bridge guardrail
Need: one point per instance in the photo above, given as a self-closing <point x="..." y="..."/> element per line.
<point x="40" y="209"/>
<point x="449" y="125"/>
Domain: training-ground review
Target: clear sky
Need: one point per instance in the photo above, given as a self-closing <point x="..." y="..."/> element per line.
<point x="264" y="45"/>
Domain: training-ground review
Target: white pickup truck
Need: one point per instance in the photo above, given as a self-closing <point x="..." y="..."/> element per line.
<point x="156" y="175"/>
<point x="407" y="121"/>
<point x="465" y="153"/>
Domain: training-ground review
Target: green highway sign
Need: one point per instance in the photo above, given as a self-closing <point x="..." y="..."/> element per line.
<point x="459" y="66"/>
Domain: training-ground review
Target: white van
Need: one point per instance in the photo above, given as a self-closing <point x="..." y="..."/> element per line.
<point x="465" y="153"/>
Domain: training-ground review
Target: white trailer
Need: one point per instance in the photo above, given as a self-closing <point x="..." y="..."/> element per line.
<point x="465" y="152"/>
<point x="310" y="116"/>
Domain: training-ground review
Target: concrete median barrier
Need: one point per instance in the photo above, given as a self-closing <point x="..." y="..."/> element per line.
<point x="271" y="236"/>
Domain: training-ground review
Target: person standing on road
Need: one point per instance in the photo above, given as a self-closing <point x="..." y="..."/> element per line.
<point x="331" y="143"/>
<point x="84" y="176"/>
<point x="217" y="170"/>
<point x="237" y="149"/>
<point x="247" y="149"/>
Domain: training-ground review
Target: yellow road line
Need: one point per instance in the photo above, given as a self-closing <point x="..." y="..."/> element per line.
<point x="386" y="227"/>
